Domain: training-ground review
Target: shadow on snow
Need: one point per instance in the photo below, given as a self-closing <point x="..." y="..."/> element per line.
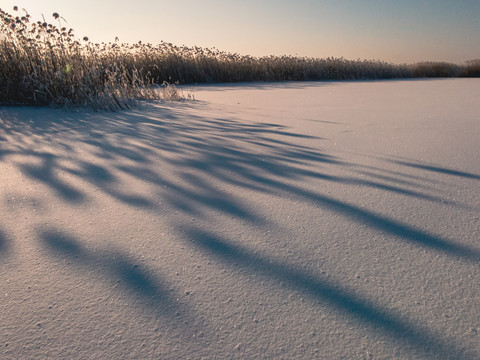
<point x="381" y="320"/>
<point x="106" y="152"/>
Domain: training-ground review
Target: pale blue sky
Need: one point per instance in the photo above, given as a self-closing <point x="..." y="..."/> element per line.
<point x="395" y="31"/>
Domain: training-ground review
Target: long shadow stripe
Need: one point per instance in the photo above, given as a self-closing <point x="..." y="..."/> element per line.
<point x="379" y="319"/>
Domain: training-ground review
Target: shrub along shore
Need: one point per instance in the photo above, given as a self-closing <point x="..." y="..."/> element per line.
<point x="46" y="64"/>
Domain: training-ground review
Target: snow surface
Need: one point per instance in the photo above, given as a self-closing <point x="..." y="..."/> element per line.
<point x="322" y="220"/>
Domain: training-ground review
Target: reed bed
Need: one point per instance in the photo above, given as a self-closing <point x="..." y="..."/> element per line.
<point x="46" y="64"/>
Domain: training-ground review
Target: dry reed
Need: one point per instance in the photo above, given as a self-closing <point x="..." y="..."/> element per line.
<point x="46" y="64"/>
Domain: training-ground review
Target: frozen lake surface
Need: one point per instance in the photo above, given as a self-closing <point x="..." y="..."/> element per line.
<point x="274" y="220"/>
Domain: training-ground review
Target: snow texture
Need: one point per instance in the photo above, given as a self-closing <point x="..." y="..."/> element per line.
<point x="321" y="220"/>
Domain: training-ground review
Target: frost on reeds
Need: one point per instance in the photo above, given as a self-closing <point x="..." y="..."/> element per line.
<point x="46" y="64"/>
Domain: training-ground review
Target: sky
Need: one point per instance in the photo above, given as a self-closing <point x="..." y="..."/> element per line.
<point x="396" y="31"/>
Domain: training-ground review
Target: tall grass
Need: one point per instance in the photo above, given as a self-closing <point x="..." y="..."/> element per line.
<point x="46" y="64"/>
